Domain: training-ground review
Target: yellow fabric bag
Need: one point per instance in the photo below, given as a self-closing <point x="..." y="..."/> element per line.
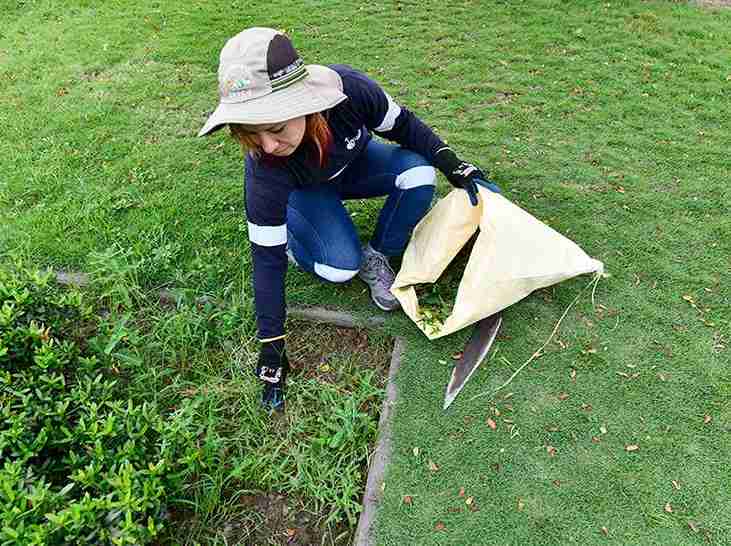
<point x="514" y="254"/>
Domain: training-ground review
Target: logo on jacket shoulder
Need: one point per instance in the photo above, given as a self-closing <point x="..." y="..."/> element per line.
<point x="350" y="142"/>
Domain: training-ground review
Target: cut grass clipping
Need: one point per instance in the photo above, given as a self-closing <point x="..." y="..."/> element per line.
<point x="436" y="300"/>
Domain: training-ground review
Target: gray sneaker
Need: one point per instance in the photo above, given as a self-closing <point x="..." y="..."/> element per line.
<point x="376" y="272"/>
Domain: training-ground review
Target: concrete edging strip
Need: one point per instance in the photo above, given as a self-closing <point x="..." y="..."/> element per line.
<point x="381" y="455"/>
<point x="336" y="318"/>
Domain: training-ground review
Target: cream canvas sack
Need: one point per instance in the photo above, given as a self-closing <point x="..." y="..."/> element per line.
<point x="514" y="254"/>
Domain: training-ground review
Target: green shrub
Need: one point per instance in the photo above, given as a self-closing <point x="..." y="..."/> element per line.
<point x="81" y="464"/>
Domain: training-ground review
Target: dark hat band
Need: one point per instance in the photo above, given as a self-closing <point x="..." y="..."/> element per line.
<point x="288" y="75"/>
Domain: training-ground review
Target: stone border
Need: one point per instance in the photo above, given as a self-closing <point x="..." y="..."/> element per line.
<point x="382" y="453"/>
<point x="336" y="318"/>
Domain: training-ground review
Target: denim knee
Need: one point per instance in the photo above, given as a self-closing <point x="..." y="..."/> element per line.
<point x="416" y="177"/>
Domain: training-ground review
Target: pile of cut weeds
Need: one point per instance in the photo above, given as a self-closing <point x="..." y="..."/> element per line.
<point x="436" y="300"/>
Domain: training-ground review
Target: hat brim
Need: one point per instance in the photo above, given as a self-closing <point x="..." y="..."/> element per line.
<point x="321" y="90"/>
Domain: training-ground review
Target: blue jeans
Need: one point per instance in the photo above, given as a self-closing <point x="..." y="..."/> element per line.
<point x="320" y="232"/>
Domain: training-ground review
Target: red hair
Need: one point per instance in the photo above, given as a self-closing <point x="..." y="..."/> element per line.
<point x="317" y="135"/>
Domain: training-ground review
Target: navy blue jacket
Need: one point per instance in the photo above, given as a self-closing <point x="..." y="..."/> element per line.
<point x="269" y="182"/>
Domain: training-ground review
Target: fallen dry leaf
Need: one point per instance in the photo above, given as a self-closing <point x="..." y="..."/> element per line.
<point x="521" y="505"/>
<point x="573" y="375"/>
<point x="440" y="526"/>
<point x="563" y="396"/>
<point x="552" y="428"/>
<point x="551" y="451"/>
<point x="668" y="508"/>
<point x="557" y="483"/>
<point x="707" y="419"/>
<point x="433" y="466"/>
<point x="676" y="485"/>
<point x="662" y="377"/>
<point x="461" y="492"/>
<point x="291" y="532"/>
<point x="408" y="499"/>
<point x="693" y="526"/>
<point x="596" y="439"/>
<point x="491" y="424"/>
<point x="631" y="447"/>
<point x="586" y="407"/>
<point x="605" y="531"/>
<point x="469" y="500"/>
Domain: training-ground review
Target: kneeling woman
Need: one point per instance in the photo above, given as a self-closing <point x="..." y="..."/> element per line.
<point x="308" y="133"/>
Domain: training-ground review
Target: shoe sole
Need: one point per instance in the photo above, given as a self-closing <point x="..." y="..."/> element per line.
<point x="383" y="308"/>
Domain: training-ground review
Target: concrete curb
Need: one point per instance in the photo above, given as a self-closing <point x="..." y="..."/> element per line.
<point x="382" y="453"/>
<point x="71" y="278"/>
<point x="336" y="318"/>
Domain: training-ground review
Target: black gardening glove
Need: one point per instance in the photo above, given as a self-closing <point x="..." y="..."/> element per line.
<point x="271" y="369"/>
<point x="463" y="175"/>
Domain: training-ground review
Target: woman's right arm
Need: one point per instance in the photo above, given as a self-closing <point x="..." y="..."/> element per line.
<point x="266" y="196"/>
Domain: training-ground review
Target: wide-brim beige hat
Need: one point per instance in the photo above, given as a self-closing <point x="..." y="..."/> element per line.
<point x="262" y="80"/>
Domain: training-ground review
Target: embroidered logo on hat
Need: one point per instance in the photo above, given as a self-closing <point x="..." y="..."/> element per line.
<point x="237" y="82"/>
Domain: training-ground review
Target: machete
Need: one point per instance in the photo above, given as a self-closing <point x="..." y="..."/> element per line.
<point x="474" y="352"/>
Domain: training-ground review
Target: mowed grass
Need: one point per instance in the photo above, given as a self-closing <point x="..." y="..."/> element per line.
<point x="608" y="120"/>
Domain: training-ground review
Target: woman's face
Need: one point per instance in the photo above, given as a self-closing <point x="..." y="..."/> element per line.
<point x="279" y="139"/>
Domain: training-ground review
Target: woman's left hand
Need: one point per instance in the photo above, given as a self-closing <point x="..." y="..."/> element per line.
<point x="463" y="175"/>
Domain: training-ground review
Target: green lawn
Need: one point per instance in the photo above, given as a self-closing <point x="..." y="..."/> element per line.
<point x="611" y="121"/>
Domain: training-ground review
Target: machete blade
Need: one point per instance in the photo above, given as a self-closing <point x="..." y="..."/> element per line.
<point x="474" y="353"/>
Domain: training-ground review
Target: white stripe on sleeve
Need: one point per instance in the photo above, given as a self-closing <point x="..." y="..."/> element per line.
<point x="390" y="118"/>
<point x="267" y="235"/>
